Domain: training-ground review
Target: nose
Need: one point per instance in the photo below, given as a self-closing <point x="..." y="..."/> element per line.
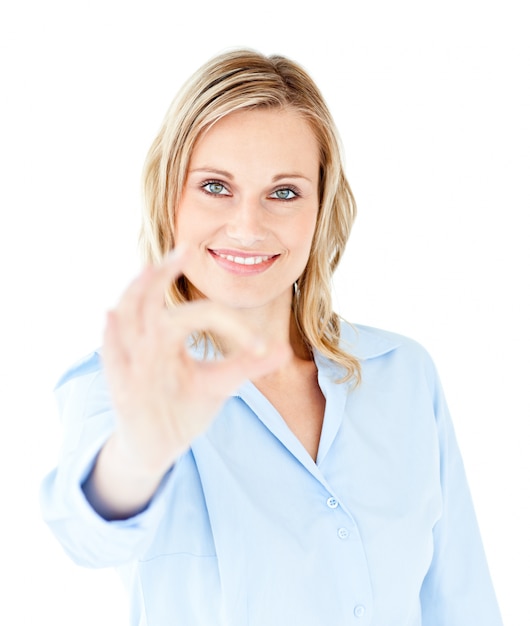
<point x="246" y="224"/>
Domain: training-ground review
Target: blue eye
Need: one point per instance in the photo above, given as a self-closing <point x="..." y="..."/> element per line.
<point x="284" y="194"/>
<point x="215" y="188"/>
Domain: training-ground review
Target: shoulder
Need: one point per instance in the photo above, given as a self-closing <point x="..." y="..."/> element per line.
<point x="390" y="361"/>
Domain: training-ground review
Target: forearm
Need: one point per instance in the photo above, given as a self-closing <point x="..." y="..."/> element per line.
<point x="117" y="487"/>
<point x="88" y="538"/>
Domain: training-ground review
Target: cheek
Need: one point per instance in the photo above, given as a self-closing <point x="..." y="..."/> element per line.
<point x="183" y="225"/>
<point x="306" y="230"/>
<point x="188" y="225"/>
<point x="195" y="221"/>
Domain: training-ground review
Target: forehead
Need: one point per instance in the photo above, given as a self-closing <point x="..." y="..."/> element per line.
<point x="280" y="137"/>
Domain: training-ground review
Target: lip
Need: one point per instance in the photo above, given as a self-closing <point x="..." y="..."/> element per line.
<point x="254" y="262"/>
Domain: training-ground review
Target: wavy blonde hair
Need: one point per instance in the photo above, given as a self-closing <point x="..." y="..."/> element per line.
<point x="244" y="79"/>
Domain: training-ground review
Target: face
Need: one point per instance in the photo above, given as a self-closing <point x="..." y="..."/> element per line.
<point x="249" y="208"/>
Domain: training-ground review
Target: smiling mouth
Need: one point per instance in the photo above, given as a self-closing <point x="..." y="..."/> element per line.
<point x="244" y="260"/>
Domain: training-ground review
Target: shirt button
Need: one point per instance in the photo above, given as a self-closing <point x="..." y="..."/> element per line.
<point x="332" y="503"/>
<point x="343" y="533"/>
<point x="359" y="610"/>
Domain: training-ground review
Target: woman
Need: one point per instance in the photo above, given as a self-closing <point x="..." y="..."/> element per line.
<point x="242" y="454"/>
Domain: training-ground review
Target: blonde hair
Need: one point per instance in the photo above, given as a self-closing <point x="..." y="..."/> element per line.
<point x="244" y="79"/>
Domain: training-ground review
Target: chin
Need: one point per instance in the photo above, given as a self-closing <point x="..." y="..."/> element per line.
<point x="246" y="300"/>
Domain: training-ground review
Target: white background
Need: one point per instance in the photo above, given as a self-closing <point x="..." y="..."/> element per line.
<point x="432" y="100"/>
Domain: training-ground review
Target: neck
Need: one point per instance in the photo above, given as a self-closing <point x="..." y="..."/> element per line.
<point x="300" y="367"/>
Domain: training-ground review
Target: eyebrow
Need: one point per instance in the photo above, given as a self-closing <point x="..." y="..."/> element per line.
<point x="225" y="174"/>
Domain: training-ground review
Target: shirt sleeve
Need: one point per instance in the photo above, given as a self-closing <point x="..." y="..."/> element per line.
<point x="88" y="420"/>
<point x="457" y="590"/>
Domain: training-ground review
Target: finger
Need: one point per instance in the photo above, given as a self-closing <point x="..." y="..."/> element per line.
<point x="162" y="276"/>
<point x="114" y="354"/>
<point x="225" y="376"/>
<point x="205" y="315"/>
<point x="128" y="311"/>
<point x="145" y="295"/>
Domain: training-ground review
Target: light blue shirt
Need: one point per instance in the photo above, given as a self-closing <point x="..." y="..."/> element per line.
<point x="247" y="530"/>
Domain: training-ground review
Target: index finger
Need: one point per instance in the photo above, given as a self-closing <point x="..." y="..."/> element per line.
<point x="145" y="295"/>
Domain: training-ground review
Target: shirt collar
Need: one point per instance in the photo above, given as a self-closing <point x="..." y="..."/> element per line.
<point x="365" y="342"/>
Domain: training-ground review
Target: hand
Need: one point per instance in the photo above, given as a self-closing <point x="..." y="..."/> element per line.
<point x="163" y="397"/>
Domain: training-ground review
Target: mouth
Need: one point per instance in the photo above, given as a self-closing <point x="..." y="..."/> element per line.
<point x="242" y="261"/>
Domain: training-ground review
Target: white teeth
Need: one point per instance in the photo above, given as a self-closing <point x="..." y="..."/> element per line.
<point x="249" y="260"/>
